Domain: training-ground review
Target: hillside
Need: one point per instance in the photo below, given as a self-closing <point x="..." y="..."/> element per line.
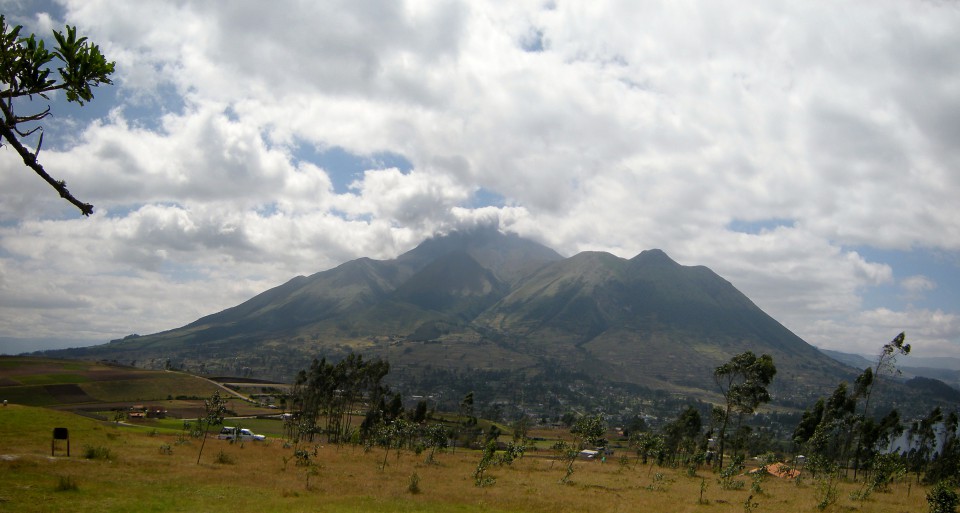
<point x="486" y="302"/>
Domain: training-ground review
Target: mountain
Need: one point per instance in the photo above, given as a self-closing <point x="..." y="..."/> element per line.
<point x="943" y="369"/>
<point x="651" y="321"/>
<point x="485" y="303"/>
<point x="854" y="360"/>
<point x="934" y="388"/>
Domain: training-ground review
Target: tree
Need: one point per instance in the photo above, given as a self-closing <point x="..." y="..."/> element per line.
<point x="25" y="71"/>
<point x="586" y="430"/>
<point x="465" y="416"/>
<point x="828" y="444"/>
<point x="214" y="410"/>
<point x="926" y="435"/>
<point x="886" y="364"/>
<point x="520" y="429"/>
<point x="436" y="436"/>
<point x="743" y="381"/>
<point x="947" y="465"/>
<point x="635" y="425"/>
<point x="808" y="423"/>
<point x="336" y="390"/>
<point x="466" y="408"/>
<point x="420" y="414"/>
<point x="647" y="444"/>
<point x="681" y="436"/>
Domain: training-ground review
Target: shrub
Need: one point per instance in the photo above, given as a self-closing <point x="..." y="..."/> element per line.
<point x="224" y="459"/>
<point x="657" y="485"/>
<point x="727" y="475"/>
<point x="98" y="452"/>
<point x="757" y="485"/>
<point x="943" y="498"/>
<point x="303" y="457"/>
<point x="66" y="484"/>
<point x="887" y="468"/>
<point x="414" y="486"/>
<point x="480" y="477"/>
<point x="827" y="489"/>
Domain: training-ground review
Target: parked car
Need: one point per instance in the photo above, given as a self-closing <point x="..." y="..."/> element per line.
<point x="242" y="434"/>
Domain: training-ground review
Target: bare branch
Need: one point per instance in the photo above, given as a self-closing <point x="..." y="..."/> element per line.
<point x="31" y="161"/>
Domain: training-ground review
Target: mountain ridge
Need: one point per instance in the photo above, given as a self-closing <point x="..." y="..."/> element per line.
<point x="483" y="299"/>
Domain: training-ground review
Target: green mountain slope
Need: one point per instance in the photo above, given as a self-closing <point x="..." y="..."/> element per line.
<point x="651" y="321"/>
<point x="485" y="300"/>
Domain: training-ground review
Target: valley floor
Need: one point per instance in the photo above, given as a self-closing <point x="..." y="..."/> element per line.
<point x="146" y="470"/>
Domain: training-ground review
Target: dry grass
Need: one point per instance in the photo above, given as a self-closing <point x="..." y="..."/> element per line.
<point x="141" y="476"/>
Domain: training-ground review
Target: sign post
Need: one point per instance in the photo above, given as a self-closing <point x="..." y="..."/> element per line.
<point x="60" y="433"/>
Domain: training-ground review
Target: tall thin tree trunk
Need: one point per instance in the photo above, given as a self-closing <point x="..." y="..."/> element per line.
<point x="203" y="442"/>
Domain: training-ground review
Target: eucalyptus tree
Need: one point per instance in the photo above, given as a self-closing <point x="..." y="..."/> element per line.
<point x="465" y="416"/>
<point x="828" y="445"/>
<point x="26" y="71"/>
<point x="866" y="383"/>
<point x="947" y="465"/>
<point x="336" y="391"/>
<point x="647" y="444"/>
<point x="435" y="437"/>
<point x="743" y="381"/>
<point x="681" y="436"/>
<point x="924" y="431"/>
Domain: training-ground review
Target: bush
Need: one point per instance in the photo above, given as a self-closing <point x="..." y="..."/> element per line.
<point x="414" y="486"/>
<point x="66" y="484"/>
<point x="97" y="453"/>
<point x="728" y="475"/>
<point x="224" y="459"/>
<point x="887" y="468"/>
<point x="943" y="498"/>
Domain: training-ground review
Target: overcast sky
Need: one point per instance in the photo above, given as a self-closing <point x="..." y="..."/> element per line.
<point x="805" y="151"/>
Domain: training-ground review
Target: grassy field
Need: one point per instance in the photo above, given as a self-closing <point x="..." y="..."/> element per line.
<point x="139" y="469"/>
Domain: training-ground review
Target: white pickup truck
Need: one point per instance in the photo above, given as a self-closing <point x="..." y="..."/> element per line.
<point x="244" y="435"/>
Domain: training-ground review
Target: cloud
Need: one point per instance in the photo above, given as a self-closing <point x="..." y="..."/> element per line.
<point x="917" y="284"/>
<point x="601" y="126"/>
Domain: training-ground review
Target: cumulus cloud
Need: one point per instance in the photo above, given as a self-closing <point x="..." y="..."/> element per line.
<point x="617" y="127"/>
<point x="917" y="284"/>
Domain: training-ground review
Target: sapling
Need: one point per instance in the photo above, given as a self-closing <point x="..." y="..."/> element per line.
<point x="479" y="474"/>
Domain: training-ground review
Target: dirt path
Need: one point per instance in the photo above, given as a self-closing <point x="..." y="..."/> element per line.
<point x="222" y="386"/>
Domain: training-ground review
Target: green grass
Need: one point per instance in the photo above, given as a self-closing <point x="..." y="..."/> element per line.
<point x="171" y="426"/>
<point x="52" y="379"/>
<point x="157" y="387"/>
<point x="32" y="396"/>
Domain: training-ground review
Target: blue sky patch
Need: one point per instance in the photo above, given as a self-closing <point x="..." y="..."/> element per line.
<point x="344" y="167"/>
<point x="485" y="198"/>
<point x="532" y="41"/>
<point x="756" y="227"/>
<point x="941" y="268"/>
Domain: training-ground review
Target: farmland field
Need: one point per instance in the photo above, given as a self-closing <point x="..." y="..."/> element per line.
<point x="49" y="382"/>
<point x="142" y="469"/>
